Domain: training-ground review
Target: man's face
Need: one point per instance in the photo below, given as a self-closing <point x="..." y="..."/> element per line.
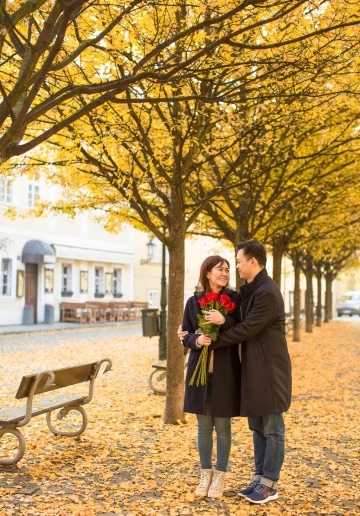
<point x="244" y="266"/>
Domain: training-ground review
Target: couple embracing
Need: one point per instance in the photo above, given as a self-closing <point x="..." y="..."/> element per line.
<point x="239" y="365"/>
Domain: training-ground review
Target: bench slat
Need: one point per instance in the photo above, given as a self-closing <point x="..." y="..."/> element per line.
<point x="63" y="378"/>
<point x="16" y="414"/>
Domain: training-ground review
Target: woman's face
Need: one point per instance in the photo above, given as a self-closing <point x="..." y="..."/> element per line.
<point x="218" y="276"/>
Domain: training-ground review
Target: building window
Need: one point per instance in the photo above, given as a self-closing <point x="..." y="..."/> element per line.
<point x="33" y="194"/>
<point x="99" y="282"/>
<point x="6" y="277"/>
<point x="153" y="299"/>
<point x="66" y="279"/>
<point x="6" y="191"/>
<point x="117" y="283"/>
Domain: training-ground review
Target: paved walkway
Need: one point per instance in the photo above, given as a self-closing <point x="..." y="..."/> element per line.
<point x="43" y="336"/>
<point x="26" y="328"/>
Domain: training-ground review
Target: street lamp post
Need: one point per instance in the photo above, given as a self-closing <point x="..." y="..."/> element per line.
<point x="150" y="252"/>
<point x="163" y="305"/>
<point x="162" y="328"/>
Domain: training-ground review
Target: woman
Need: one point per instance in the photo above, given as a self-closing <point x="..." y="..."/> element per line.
<point x="218" y="400"/>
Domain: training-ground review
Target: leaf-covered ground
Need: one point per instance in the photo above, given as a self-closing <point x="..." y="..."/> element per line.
<point x="128" y="462"/>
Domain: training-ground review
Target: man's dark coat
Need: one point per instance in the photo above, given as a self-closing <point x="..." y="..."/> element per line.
<point x="265" y="361"/>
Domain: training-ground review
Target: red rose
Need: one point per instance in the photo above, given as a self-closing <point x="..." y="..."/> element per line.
<point x="226" y="302"/>
<point x="202" y="302"/>
<point x="211" y="297"/>
<point x="208" y="299"/>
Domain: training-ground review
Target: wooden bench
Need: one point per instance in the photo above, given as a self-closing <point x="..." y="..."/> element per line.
<point x="44" y="382"/>
<point x="75" y="312"/>
<point x="100" y="311"/>
<point x="138" y="306"/>
<point x="121" y="310"/>
<point x="157" y="378"/>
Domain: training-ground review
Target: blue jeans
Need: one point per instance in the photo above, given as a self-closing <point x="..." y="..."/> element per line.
<point x="222" y="426"/>
<point x="269" y="445"/>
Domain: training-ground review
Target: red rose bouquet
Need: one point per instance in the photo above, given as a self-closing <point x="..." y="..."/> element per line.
<point x="211" y="301"/>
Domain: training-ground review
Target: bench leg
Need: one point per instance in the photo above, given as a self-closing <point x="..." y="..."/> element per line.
<point x="12" y="461"/>
<point x="61" y="414"/>
<point x="157" y="381"/>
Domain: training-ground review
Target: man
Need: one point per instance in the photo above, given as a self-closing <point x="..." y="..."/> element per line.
<point x="265" y="368"/>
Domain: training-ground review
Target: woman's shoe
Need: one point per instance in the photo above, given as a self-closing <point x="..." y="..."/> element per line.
<point x="205" y="481"/>
<point x="217" y="485"/>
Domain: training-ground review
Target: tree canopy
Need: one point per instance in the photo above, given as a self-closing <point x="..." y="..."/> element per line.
<point x="62" y="60"/>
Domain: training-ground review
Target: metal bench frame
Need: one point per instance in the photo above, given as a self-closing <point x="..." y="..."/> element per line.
<point x="157" y="378"/>
<point x="14" y="417"/>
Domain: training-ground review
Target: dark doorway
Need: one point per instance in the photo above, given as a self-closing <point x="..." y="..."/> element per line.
<point x="31" y="281"/>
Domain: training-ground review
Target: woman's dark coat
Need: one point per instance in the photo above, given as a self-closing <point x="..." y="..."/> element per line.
<point x="225" y="399"/>
<point x="265" y="360"/>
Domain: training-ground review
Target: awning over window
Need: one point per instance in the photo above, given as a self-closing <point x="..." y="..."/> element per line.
<point x="35" y="251"/>
<point x="87" y="254"/>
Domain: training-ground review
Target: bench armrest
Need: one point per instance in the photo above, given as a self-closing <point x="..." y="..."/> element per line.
<point x="94" y="375"/>
<point x="49" y="380"/>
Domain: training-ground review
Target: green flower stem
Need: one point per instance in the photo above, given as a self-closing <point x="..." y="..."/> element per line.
<point x="199" y="375"/>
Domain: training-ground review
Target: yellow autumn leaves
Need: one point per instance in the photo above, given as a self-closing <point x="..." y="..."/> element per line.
<point x="129" y="462"/>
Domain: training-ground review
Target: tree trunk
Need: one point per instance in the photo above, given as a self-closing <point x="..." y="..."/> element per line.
<point x="297" y="300"/>
<point x="319" y="295"/>
<point x="277" y="261"/>
<point x="328" y="298"/>
<point x="174" y="409"/>
<point x="242" y="230"/>
<point x="309" y="298"/>
<point x="279" y="247"/>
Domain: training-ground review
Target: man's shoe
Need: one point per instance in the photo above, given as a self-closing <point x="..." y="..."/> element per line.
<point x="249" y="489"/>
<point x="262" y="494"/>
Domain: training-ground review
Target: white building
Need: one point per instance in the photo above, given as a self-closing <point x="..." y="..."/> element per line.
<point x="47" y="260"/>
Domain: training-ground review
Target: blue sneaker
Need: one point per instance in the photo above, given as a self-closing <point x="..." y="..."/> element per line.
<point x="249" y="489"/>
<point x="262" y="494"/>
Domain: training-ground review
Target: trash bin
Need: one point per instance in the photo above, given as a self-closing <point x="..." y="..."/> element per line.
<point x="49" y="314"/>
<point x="28" y="315"/>
<point x="150" y="322"/>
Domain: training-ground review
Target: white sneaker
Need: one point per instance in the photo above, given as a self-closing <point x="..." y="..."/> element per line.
<point x="216" y="489"/>
<point x="205" y="481"/>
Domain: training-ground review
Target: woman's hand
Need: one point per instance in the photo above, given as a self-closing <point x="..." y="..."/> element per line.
<point x="214" y="317"/>
<point x="203" y="340"/>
